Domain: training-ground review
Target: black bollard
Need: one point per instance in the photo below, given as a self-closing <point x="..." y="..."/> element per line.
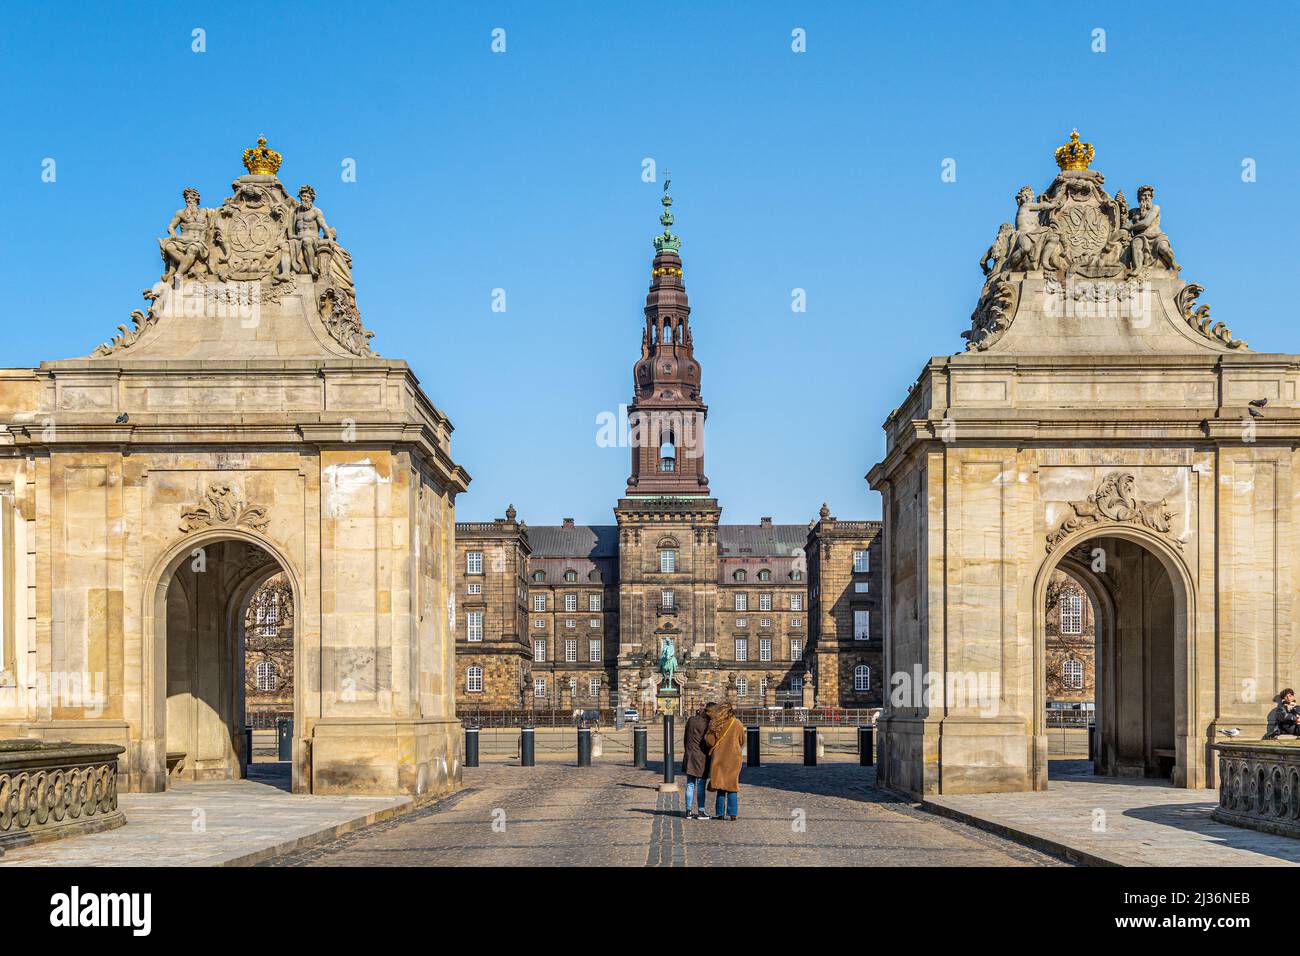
<point x="584" y="746"/>
<point x="248" y="747"/>
<point x="810" y="746"/>
<point x="669" y="761"/>
<point x="1092" y="741"/>
<point x="284" y="731"/>
<point x="639" y="736"/>
<point x="471" y="746"/>
<point x="526" y="753"/>
<point x="751" y="747"/>
<point x="866" y="756"/>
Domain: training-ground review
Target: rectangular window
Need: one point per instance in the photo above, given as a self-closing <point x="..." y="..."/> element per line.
<point x="765" y="649"/>
<point x="595" y="650"/>
<point x="667" y="599"/>
<point x="570" y="651"/>
<point x="796" y="648"/>
<point x="765" y="602"/>
<point x="667" y="561"/>
<point x="862" y="625"/>
<point x="539" y="602"/>
<point x="861" y="562"/>
<point x="474" y="680"/>
<point x="474" y="562"/>
<point x="593" y="602"/>
<point x="539" y="622"/>
<point x="474" y="626"/>
<point x="593" y="688"/>
<point x="796" y="685"/>
<point x="742" y="687"/>
<point x="570" y="622"/>
<point x="796" y="622"/>
<point x="742" y="622"/>
<point x="742" y="602"/>
<point x="539" y="687"/>
<point x="570" y="602"/>
<point x="595" y="622"/>
<point x="476" y="588"/>
<point x="861" y="587"/>
<point x="1072" y="613"/>
<point x="742" y="648"/>
<point x="539" y="650"/>
<point x="796" y="602"/>
<point x="764" y="622"/>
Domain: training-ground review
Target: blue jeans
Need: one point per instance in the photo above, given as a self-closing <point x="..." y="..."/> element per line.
<point x="730" y="800"/>
<point x="694" y="788"/>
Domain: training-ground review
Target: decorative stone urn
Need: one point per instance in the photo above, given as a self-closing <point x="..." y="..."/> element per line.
<point x="1259" y="786"/>
<point x="50" y="790"/>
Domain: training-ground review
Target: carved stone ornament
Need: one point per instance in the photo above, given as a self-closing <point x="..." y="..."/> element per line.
<point x="223" y="506"/>
<point x="247" y="252"/>
<point x="1199" y="318"/>
<point x="993" y="315"/>
<point x="1114" y="502"/>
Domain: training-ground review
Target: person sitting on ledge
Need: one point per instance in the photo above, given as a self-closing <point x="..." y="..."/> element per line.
<point x="1286" y="716"/>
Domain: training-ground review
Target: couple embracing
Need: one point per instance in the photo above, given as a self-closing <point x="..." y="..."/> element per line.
<point x="712" y="750"/>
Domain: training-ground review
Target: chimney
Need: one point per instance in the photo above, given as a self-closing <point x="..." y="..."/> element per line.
<point x="568" y="522"/>
<point x="765" y="522"/>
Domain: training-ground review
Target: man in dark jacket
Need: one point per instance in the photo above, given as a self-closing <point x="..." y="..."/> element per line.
<point x="695" y="762"/>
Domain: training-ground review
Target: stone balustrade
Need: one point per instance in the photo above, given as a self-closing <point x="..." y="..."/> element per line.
<point x="55" y="789"/>
<point x="1259" y="786"/>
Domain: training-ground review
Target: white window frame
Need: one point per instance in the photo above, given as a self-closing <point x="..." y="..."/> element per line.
<point x="593" y="688"/>
<point x="474" y="625"/>
<point x="595" y="650"/>
<point x="473" y="679"/>
<point x="861" y="678"/>
<point x="765" y="602"/>
<point x="539" y="623"/>
<point x="1072" y="613"/>
<point x="473" y="562"/>
<point x="796" y="684"/>
<point x="668" y="560"/>
<point x="539" y="649"/>
<point x="861" y="624"/>
<point x="539" y="688"/>
<point x="1072" y="674"/>
<point x="796" y="648"/>
<point x="539" y="602"/>
<point x="741" y="652"/>
<point x="861" y="562"/>
<point x="593" y="602"/>
<point x="571" y="651"/>
<point x="570" y="602"/>
<point x="764" y="648"/>
<point x="595" y="623"/>
<point x="667" y="599"/>
<point x="267" y="676"/>
<point x="475" y="588"/>
<point x="742" y="687"/>
<point x="741" y="601"/>
<point x="796" y="622"/>
<point x="570" y="622"/>
<point x="796" y="602"/>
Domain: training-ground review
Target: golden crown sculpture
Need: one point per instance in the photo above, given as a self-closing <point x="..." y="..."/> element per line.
<point x="1074" y="154"/>
<point x="261" y="161"/>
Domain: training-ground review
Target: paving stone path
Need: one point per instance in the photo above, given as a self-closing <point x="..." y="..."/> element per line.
<point x="613" y="815"/>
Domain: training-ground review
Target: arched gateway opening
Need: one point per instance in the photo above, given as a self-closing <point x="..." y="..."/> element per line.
<point x="200" y="632"/>
<point x="1137" y="599"/>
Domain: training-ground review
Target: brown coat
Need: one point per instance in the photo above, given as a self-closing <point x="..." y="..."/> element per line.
<point x="695" y="761"/>
<point x="723" y="746"/>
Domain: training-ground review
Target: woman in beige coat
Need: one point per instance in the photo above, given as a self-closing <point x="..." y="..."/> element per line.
<point x="723" y="743"/>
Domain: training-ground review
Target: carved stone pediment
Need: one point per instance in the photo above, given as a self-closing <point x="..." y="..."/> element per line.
<point x="222" y="505"/>
<point x="1115" y="503"/>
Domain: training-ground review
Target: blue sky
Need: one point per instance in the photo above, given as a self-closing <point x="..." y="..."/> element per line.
<point x="522" y="171"/>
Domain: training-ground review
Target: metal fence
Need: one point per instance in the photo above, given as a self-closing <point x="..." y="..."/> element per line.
<point x="752" y="716"/>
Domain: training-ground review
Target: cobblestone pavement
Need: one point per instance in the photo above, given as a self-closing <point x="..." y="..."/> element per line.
<point x="1121" y="820"/>
<point x="561" y="815"/>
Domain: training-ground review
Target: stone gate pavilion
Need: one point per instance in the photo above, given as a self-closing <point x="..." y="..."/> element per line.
<point x="1099" y="421"/>
<point x="240" y="427"/>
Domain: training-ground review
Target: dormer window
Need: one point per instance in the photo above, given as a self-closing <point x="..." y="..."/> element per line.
<point x="570" y="576"/>
<point x="539" y="576"/>
<point x="739" y="576"/>
<point x="765" y="575"/>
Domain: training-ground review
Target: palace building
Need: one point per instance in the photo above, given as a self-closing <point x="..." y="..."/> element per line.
<point x="569" y="616"/>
